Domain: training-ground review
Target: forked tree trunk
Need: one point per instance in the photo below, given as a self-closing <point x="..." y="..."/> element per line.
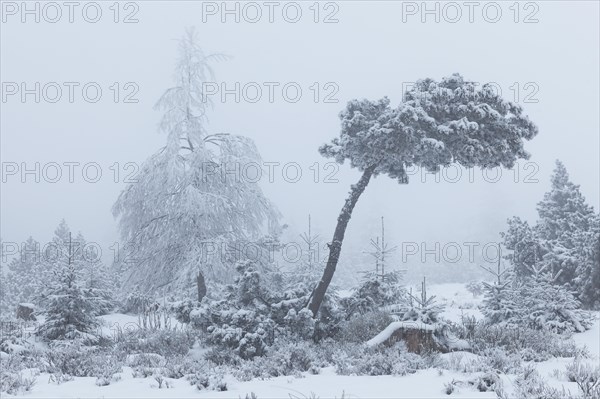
<point x="335" y="247"/>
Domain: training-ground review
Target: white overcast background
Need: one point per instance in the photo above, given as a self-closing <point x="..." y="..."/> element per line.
<point x="369" y="53"/>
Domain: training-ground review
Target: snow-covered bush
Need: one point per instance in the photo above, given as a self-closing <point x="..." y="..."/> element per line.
<point x="142" y="372"/>
<point x="78" y="360"/>
<point x="136" y="302"/>
<point x="13" y="382"/>
<point x="301" y="323"/>
<point x="13" y="344"/>
<point x="488" y="382"/>
<point x="534" y="302"/>
<point x="221" y="355"/>
<point x="529" y="344"/>
<point x="586" y="376"/>
<point x="498" y="360"/>
<point x="530" y="385"/>
<point x="362" y="327"/>
<point x="382" y="360"/>
<point x="544" y="305"/>
<point x="182" y="310"/>
<point x="246" y="344"/>
<point x="475" y="288"/>
<point x="283" y="358"/>
<point x="145" y="360"/>
<point x="374" y="292"/>
<point x="163" y="342"/>
<point x="210" y="379"/>
<point x="250" y="314"/>
<point x="179" y="366"/>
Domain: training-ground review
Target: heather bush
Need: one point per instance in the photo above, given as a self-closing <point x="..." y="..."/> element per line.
<point x="586" y="376"/>
<point x="362" y="327"/>
<point x="530" y="344"/>
<point x="285" y="357"/>
<point x="13" y="382"/>
<point x="164" y="342"/>
<point x="381" y="360"/>
<point x="78" y="360"/>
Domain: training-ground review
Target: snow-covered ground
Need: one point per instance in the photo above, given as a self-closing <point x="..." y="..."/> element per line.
<point x="425" y="384"/>
<point x="428" y="383"/>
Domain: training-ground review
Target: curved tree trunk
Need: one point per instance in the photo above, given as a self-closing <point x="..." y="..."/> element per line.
<point x="335" y="247"/>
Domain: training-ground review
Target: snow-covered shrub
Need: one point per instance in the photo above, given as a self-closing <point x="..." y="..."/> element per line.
<point x="475" y="288"/>
<point x="60" y="378"/>
<point x="162" y="381"/>
<point x="221" y="355"/>
<point x="488" y="382"/>
<point x="249" y="316"/>
<point x="12" y="380"/>
<point x="381" y="360"/>
<point x="78" y="360"/>
<point x="449" y="387"/>
<point x="362" y="327"/>
<point x="300" y="323"/>
<point x="14" y="383"/>
<point x="163" y="342"/>
<point x="245" y="344"/>
<point x="374" y="292"/>
<point x="182" y="310"/>
<point x="137" y="303"/>
<point x="586" y="376"/>
<point x="530" y="385"/>
<point x="499" y="360"/>
<point x="285" y="357"/>
<point x="531" y="345"/>
<point x="14" y="344"/>
<point x="142" y="372"/>
<point x="106" y="378"/>
<point x="331" y="314"/>
<point x="536" y="303"/>
<point x="544" y="305"/>
<point x="145" y="360"/>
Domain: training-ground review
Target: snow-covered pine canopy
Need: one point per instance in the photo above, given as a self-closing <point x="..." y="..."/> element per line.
<point x="439" y="123"/>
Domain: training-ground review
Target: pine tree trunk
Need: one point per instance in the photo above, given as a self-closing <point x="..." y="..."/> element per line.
<point x="335" y="247"/>
<point x="201" y="286"/>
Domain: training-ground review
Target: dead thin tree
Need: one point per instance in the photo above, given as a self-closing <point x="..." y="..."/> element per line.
<point x="499" y="272"/>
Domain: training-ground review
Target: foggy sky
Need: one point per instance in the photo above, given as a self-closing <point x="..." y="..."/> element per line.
<point x="369" y="53"/>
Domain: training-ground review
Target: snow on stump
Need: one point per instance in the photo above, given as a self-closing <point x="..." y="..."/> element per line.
<point x="25" y="311"/>
<point x="419" y="337"/>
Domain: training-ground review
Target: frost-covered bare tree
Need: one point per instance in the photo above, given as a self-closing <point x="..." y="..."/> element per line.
<point x="187" y="204"/>
<point x="438" y="123"/>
